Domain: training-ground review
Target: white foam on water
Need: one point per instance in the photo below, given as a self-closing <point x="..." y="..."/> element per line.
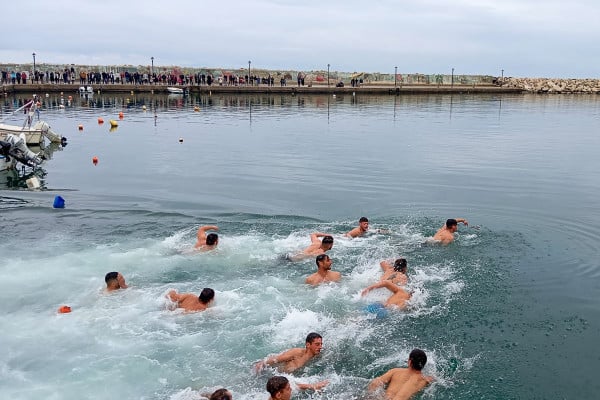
<point x="136" y="335"/>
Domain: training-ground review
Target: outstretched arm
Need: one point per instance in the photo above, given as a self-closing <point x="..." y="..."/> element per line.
<point x="386" y="284"/>
<point x="463" y="221"/>
<point x="381" y="380"/>
<point x="278" y="358"/>
<point x="313" y="386"/>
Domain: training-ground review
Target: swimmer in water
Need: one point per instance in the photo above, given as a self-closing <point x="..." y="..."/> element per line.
<point x="399" y="296"/>
<point x="114" y="281"/>
<point x="292" y="359"/>
<point x="207" y="242"/>
<point x="324" y="273"/>
<point x="403" y="383"/>
<point x="361" y="229"/>
<point x="191" y="302"/>
<point x="395" y="273"/>
<point x="279" y="387"/>
<point x="316" y="247"/>
<point x="445" y="235"/>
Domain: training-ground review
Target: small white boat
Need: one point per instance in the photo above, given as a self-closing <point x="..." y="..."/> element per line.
<point x="175" y="90"/>
<point x="34" y="134"/>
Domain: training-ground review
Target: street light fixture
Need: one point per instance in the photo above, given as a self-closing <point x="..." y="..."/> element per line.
<point x="395" y="75"/>
<point x="328" y="75"/>
<point x="249" y="62"/>
<point x="33" y="54"/>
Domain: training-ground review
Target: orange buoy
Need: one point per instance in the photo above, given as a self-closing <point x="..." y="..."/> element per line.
<point x="121" y="115"/>
<point x="64" y="309"/>
<point x="100" y="121"/>
<point x="95" y="160"/>
<point x="80" y="127"/>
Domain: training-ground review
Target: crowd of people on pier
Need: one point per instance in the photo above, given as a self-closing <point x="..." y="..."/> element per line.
<point x="84" y="77"/>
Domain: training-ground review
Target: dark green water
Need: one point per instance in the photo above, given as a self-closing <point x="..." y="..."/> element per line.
<point x="510" y="310"/>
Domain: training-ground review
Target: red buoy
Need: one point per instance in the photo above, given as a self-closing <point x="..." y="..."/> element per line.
<point x="64" y="310"/>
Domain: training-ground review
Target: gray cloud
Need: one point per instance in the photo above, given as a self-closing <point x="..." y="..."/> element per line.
<point x="525" y="38"/>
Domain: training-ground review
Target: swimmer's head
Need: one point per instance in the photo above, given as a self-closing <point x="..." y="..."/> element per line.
<point x="451" y="222"/>
<point x="400" y="265"/>
<point x="212" y="239"/>
<point x="277" y="384"/>
<point x="324" y="261"/>
<point x="111" y="276"/>
<point x="363" y="223"/>
<point x="221" y="394"/>
<point x="206" y="296"/>
<point x="312" y="336"/>
<point x="327" y="242"/>
<point x="417" y="359"/>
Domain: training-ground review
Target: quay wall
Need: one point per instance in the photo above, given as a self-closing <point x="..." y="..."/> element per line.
<point x="382" y="89"/>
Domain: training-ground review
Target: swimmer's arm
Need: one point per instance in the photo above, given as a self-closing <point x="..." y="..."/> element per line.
<point x="314" y="237"/>
<point x="312" y="386"/>
<point x="385" y="265"/>
<point x="463" y="221"/>
<point x="174" y="296"/>
<point x="353" y="233"/>
<point x="381" y="380"/>
<point x="202" y="231"/>
<point x="279" y="358"/>
<point x="386" y="284"/>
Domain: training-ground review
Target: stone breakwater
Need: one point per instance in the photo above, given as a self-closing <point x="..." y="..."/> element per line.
<point x="545" y="85"/>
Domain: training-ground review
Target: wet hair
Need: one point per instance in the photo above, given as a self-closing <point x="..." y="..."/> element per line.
<point x="312" y="336"/>
<point x="450" y="222"/>
<point x="363" y="219"/>
<point x="221" y="394"/>
<point x="327" y="239"/>
<point x="400" y="265"/>
<point x="418" y="359"/>
<point x="276" y="384"/>
<point x="320" y="258"/>
<point x="211" y="239"/>
<point x="110" y="276"/>
<point x="206" y="295"/>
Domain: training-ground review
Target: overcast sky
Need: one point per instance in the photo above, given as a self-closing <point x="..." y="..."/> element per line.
<point x="550" y="38"/>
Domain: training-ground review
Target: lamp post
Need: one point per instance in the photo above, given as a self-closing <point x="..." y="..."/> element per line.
<point x="249" y="62"/>
<point x="452" y="79"/>
<point x="33" y="54"/>
<point x="152" y="68"/>
<point x="328" y="75"/>
<point x="395" y="75"/>
<point x="502" y="75"/>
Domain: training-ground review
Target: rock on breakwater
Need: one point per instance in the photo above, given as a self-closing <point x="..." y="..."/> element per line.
<point x="555" y="85"/>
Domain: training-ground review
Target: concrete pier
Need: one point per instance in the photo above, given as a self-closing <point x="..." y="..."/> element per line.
<point x="383" y="89"/>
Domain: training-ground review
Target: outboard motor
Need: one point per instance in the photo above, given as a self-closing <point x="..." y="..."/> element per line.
<point x="5" y="149"/>
<point x="20" y="151"/>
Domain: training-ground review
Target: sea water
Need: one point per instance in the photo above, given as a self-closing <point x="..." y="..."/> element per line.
<point x="509" y="310"/>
